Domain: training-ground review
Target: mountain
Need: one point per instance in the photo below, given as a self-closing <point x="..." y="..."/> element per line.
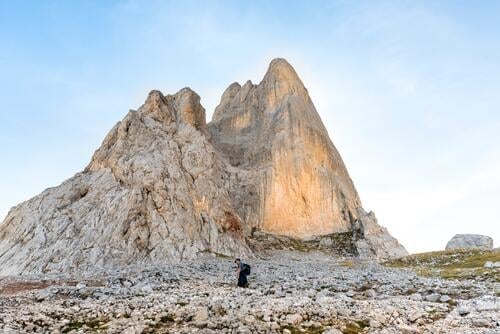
<point x="166" y="186"/>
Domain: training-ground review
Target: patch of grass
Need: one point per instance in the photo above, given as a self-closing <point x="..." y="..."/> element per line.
<point x="72" y="326"/>
<point x="93" y="325"/>
<point x="337" y="243"/>
<point x="456" y="264"/>
<point x="299" y="330"/>
<point x="167" y="318"/>
<point x="348" y="263"/>
<point x="450" y="259"/>
<point x="355" y="327"/>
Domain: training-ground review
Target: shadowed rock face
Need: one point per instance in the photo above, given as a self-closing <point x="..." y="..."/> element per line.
<point x="158" y="189"/>
<point x="273" y="131"/>
<point x="154" y="191"/>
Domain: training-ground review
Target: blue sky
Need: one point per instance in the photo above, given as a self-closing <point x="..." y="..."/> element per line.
<point x="408" y="90"/>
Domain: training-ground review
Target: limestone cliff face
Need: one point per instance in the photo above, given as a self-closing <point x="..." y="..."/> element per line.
<point x="154" y="191"/>
<point x="273" y="131"/>
<point x="166" y="186"/>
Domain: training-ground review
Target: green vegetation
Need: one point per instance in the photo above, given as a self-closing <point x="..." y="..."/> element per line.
<point x="355" y="327"/>
<point x="300" y="330"/>
<point x="92" y="325"/>
<point x="337" y="243"/>
<point x="350" y="327"/>
<point x="455" y="264"/>
<point x="167" y="318"/>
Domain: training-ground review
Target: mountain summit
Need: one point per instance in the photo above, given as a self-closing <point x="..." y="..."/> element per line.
<point x="165" y="186"/>
<point x="273" y="131"/>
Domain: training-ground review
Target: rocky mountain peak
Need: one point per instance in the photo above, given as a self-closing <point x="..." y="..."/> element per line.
<point x="183" y="107"/>
<point x="157" y="106"/>
<point x="298" y="182"/>
<point x="280" y="72"/>
<point x="189" y="109"/>
<point x="280" y="83"/>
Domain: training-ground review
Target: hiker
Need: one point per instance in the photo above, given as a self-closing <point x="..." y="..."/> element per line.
<point x="242" y="271"/>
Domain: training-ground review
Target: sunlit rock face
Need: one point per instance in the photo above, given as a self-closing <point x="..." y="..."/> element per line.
<point x="289" y="177"/>
<point x="273" y="131"/>
<point x="155" y="191"/>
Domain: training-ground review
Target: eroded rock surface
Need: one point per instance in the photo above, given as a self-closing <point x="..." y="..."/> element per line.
<point x="154" y="192"/>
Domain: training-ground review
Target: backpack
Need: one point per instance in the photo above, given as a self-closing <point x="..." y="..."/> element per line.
<point x="246" y="269"/>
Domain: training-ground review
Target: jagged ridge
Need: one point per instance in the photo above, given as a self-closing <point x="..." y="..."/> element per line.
<point x="153" y="192"/>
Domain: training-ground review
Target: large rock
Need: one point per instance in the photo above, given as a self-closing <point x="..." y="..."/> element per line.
<point x="373" y="240"/>
<point x="470" y="241"/>
<point x="155" y="191"/>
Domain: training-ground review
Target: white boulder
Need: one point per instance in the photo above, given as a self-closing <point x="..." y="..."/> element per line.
<point x="470" y="241"/>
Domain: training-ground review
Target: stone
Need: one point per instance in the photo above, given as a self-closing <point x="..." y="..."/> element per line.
<point x="416" y="297"/>
<point x="81" y="285"/>
<point x="380" y="318"/>
<point x="146" y="288"/>
<point x="491" y="264"/>
<point x="293" y="319"/>
<point x="444" y="299"/>
<point x="462" y="310"/>
<point x="370" y="293"/>
<point x="487" y="303"/>
<point x="415" y="316"/>
<point x="332" y="331"/>
<point x="201" y="314"/>
<point x="481" y="322"/>
<point x="434" y="297"/>
<point x="43" y="295"/>
<point x="406" y="329"/>
<point x="470" y="241"/>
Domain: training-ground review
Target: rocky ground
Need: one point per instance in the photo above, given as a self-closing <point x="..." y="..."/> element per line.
<point x="291" y="292"/>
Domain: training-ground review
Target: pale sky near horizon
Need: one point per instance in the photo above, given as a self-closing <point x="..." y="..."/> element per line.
<point x="408" y="90"/>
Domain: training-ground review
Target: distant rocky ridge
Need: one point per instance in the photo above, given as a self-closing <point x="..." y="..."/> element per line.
<point x="166" y="186"/>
